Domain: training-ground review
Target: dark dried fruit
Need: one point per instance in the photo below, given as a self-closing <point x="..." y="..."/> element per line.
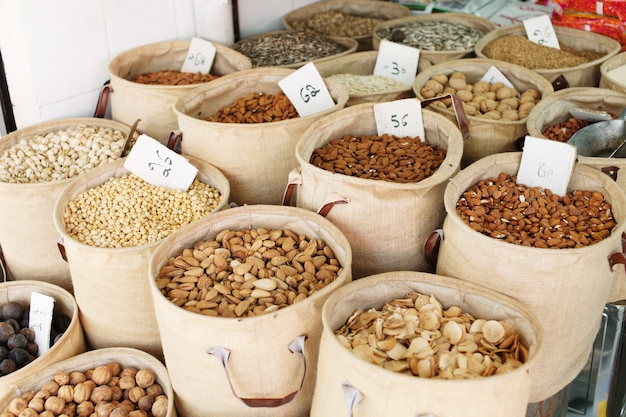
<point x="32" y="348"/>
<point x="12" y="310"/>
<point x="29" y="333"/>
<point x="6" y="330"/>
<point x="20" y="356"/>
<point x="7" y="366"/>
<point x="15" y="324"/>
<point x="17" y="340"/>
<point x="4" y="353"/>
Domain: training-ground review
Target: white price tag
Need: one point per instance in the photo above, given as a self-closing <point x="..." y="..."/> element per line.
<point x="40" y="319"/>
<point x="158" y="165"/>
<point x="589" y="115"/>
<point x="540" y="30"/>
<point x="200" y="56"/>
<point x="307" y="91"/>
<point x="397" y="61"/>
<point x="546" y="163"/>
<point x="493" y="75"/>
<point x="400" y="118"/>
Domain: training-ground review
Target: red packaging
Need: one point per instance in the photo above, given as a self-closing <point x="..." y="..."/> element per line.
<point x="615" y="8"/>
<point x="611" y="27"/>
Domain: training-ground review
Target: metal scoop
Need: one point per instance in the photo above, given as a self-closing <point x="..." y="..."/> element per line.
<point x="602" y="139"/>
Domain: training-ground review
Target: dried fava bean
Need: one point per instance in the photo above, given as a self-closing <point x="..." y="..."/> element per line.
<point x="337" y="23"/>
<point x="433" y="36"/>
<point x="415" y="335"/>
<point x="385" y="157"/>
<point x="356" y="84"/>
<point x="171" y="77"/>
<point x="126" y="211"/>
<point x="256" y="108"/>
<point x="531" y="216"/>
<point x="236" y="267"/>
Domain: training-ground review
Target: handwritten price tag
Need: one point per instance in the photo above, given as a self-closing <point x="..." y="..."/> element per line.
<point x="397" y="61"/>
<point x="40" y="319"/>
<point x="307" y="91"/>
<point x="159" y="165"/>
<point x="494" y="75"/>
<point x="400" y="118"/>
<point x="200" y="56"/>
<point x="546" y="163"/>
<point x="540" y="30"/>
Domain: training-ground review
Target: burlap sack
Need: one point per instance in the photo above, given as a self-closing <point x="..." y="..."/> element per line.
<point x="381" y="241"/>
<point x="381" y="392"/>
<point x="487" y="136"/>
<point x="360" y="8"/>
<point x="126" y="357"/>
<point x="110" y="284"/>
<point x="608" y="81"/>
<point x="153" y="103"/>
<point x="27" y="232"/>
<point x="69" y="344"/>
<point x="255" y="157"/>
<point x="585" y="75"/>
<point x="265" y="372"/>
<point x="437" y="57"/>
<point x="565" y="288"/>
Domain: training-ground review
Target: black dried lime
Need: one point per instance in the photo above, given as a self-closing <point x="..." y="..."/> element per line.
<point x="7" y="366"/>
<point x="6" y="330"/>
<point x="17" y="340"/>
<point x="20" y="356"/>
<point x="12" y="310"/>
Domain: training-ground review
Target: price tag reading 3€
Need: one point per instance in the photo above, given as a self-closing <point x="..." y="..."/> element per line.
<point x="159" y="165"/>
<point x="540" y="30"/>
<point x="307" y="91"/>
<point x="397" y="61"/>
<point x="400" y="118"/>
<point x="200" y="56"/>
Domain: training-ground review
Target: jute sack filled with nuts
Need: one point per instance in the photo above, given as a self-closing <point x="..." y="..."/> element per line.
<point x="349" y="385"/>
<point x="153" y="103"/>
<point x="578" y="75"/>
<point x="109" y="277"/>
<point x="255" y="157"/>
<point x="609" y="79"/>
<point x="33" y="175"/>
<point x="252" y="365"/>
<point x="104" y="381"/>
<point x="488" y="133"/>
<point x="71" y="343"/>
<point x="374" y="236"/>
<point x="565" y="288"/>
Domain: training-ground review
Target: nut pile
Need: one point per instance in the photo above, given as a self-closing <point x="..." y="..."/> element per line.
<point x="358" y="84"/>
<point x="385" y="157"/>
<point x="109" y="390"/>
<point x="563" y="131"/>
<point x="61" y="154"/>
<point x="287" y="48"/>
<point x="248" y="272"/>
<point x="435" y="35"/>
<point x="493" y="101"/>
<point x="519" y="50"/>
<point x="532" y="216"/>
<point x="415" y="335"/>
<point x="337" y="23"/>
<point x="171" y="77"/>
<point x="126" y="211"/>
<point x="256" y="108"/>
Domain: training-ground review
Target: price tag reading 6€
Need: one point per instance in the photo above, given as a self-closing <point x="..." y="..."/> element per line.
<point x="159" y="165"/>
<point x="400" y="118"/>
<point x="307" y="91"/>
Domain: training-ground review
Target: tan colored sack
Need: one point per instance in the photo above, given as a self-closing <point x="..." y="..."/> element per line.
<point x="437" y="57"/>
<point x="349" y="386"/>
<point x="487" y="136"/>
<point x="585" y="75"/>
<point x="264" y="373"/>
<point x="27" y="232"/>
<point x="69" y="344"/>
<point x="565" y="288"/>
<point x="381" y="241"/>
<point x="255" y="157"/>
<point x="153" y="103"/>
<point x="360" y="8"/>
<point x="111" y="284"/>
<point x="608" y="81"/>
<point x="126" y="357"/>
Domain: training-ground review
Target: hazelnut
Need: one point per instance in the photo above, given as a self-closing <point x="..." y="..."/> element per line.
<point x="144" y="378"/>
<point x="115" y="368"/>
<point x="66" y="393"/>
<point x="17" y="405"/>
<point x="54" y="404"/>
<point x="159" y="408"/>
<point x="101" y="393"/>
<point x="101" y="375"/>
<point x="85" y="409"/>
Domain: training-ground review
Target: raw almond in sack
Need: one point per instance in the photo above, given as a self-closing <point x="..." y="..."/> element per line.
<point x="350" y="386"/>
<point x="258" y="365"/>
<point x="565" y="288"/>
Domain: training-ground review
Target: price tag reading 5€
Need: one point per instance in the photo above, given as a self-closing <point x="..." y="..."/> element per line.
<point x="400" y="118"/>
<point x="540" y="30"/>
<point x="397" y="61"/>
<point x="200" y="56"/>
<point x="307" y="91"/>
<point x="159" y="165"/>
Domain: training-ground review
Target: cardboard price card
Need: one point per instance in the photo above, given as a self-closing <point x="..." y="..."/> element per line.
<point x="307" y="91"/>
<point x="546" y="163"/>
<point x="400" y="118"/>
<point x="494" y="75"/>
<point x="200" y="56"/>
<point x="397" y="61"/>
<point x="540" y="30"/>
<point x="40" y="319"/>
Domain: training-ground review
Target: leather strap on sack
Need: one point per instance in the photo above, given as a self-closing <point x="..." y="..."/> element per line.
<point x="103" y="100"/>
<point x="3" y="268"/>
<point x="611" y="171"/>
<point x="619" y="257"/>
<point x="353" y="396"/>
<point x="560" y="83"/>
<point x="459" y="112"/>
<point x="61" y="246"/>
<point x="296" y="346"/>
<point x="294" y="179"/>
<point x="431" y="247"/>
<point x="330" y="202"/>
<point x="174" y="141"/>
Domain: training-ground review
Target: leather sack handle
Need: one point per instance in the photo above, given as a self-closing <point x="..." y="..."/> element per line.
<point x="560" y="83"/>
<point x="431" y="247"/>
<point x="619" y="257"/>
<point x="61" y="247"/>
<point x="174" y="140"/>
<point x="294" y="179"/>
<point x="330" y="202"/>
<point x="103" y="100"/>
<point x="611" y="171"/>
<point x="459" y="112"/>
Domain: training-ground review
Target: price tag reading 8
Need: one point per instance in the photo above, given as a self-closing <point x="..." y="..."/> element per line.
<point x="307" y="91"/>
<point x="200" y="56"/>
<point x="400" y="118"/>
<point x="158" y="165"/>
<point x="397" y="61"/>
<point x="540" y="30"/>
